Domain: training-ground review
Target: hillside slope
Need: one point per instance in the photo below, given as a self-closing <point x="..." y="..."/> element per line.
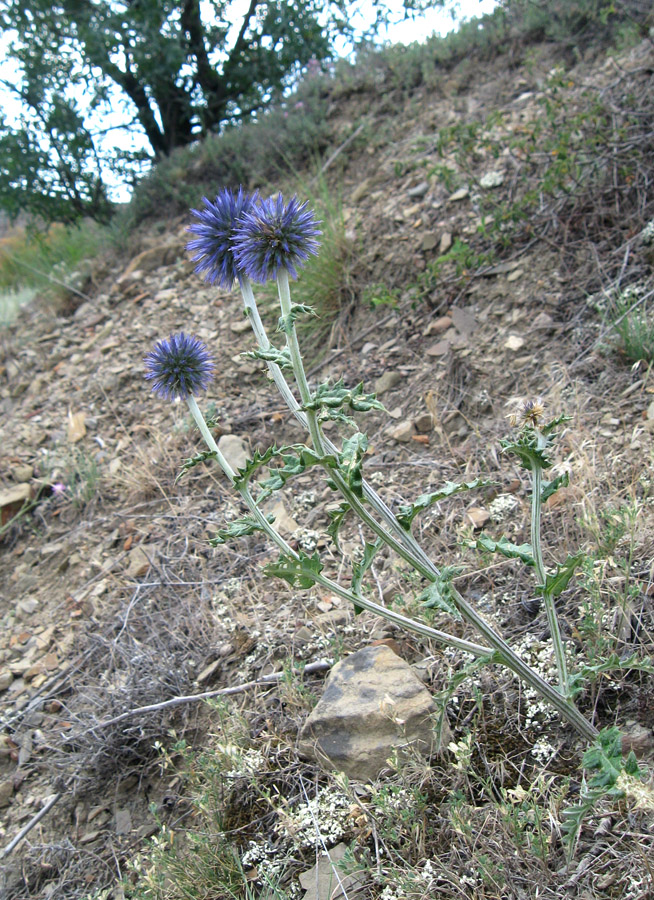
<point x="467" y="282"/>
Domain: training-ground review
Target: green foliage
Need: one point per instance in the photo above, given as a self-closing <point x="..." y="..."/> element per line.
<point x="406" y="514"/>
<point x="603" y="761"/>
<point x="178" y="72"/>
<point x="632" y="320"/>
<point x="505" y="548"/>
<point x="32" y="258"/>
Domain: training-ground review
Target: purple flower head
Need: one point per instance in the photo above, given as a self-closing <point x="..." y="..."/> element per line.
<point x="212" y="249"/>
<point x="179" y="367"/>
<point x="272" y="236"/>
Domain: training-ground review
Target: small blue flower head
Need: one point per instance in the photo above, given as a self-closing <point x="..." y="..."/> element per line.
<point x="179" y="367"/>
<point x="274" y="236"/>
<point x="212" y="249"/>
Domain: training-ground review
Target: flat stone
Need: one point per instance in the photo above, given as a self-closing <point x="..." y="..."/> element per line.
<point x="424" y="423"/>
<point x="461" y="194"/>
<point x="22" y="473"/>
<point x="438" y="349"/>
<point x="235" y="450"/>
<point x="438" y="326"/>
<point x="26" y="607"/>
<point x="6" y="678"/>
<point x="429" y="241"/>
<point x="477" y="517"/>
<point x="123" y="821"/>
<point x="403" y="432"/>
<point x="514" y="342"/>
<point x="6" y="792"/>
<point x="373" y="704"/>
<point x="325" y="881"/>
<point x="419" y="190"/>
<point x="445" y="243"/>
<point x="240" y="326"/>
<point x="387" y="382"/>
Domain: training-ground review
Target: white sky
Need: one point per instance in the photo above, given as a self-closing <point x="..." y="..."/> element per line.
<point x="434" y="21"/>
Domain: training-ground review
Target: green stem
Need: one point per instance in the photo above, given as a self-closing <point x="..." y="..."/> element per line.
<point x="548" y="599"/>
<point x="208" y="438"/>
<point x="405" y="544"/>
<point x="333" y="586"/>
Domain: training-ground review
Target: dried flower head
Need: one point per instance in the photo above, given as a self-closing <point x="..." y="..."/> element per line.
<point x="529" y="413"/>
<point x="179" y="367"/>
<point x="274" y="236"/>
<point x="212" y="249"/>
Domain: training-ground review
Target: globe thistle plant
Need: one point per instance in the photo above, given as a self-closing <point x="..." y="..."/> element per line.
<point x="274" y="236"/>
<point x="242" y="238"/>
<point x="179" y="367"/>
<point x="216" y="225"/>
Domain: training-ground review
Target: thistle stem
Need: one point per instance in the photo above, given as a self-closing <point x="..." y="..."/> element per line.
<point x="208" y="437"/>
<point x="548" y="599"/>
<point x="404" y="544"/>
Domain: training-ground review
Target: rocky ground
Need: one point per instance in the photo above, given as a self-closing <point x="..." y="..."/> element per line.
<point x="111" y="598"/>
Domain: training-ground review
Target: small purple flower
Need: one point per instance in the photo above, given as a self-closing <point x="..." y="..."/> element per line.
<point x="179" y="366"/>
<point x="272" y="236"/>
<point x="212" y="249"/>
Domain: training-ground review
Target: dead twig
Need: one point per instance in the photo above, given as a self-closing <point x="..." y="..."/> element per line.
<point x="25" y="830"/>
<point x="311" y="668"/>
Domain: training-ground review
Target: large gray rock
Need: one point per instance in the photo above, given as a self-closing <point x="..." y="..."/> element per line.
<point x="372" y="704"/>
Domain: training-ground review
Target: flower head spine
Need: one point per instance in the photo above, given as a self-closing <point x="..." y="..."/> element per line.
<point x="274" y="236"/>
<point x="179" y="367"/>
<point x="212" y="248"/>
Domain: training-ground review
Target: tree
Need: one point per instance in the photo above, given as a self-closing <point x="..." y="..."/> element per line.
<point x="174" y="70"/>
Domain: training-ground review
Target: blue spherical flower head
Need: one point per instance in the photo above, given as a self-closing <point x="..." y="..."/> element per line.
<point x="212" y="249"/>
<point x="274" y="236"/>
<point x="179" y="367"/>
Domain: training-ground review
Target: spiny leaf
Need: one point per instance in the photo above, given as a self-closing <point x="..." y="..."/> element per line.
<point x="296" y="459"/>
<point x="359" y="569"/>
<point x="336" y="516"/>
<point x="286" y="323"/>
<point x="350" y="460"/>
<point x="589" y="672"/>
<point x="555" y="584"/>
<point x="239" y="528"/>
<point x="554" y="423"/>
<point x="530" y="446"/>
<point x="272" y="354"/>
<point x="407" y="514"/>
<point x="505" y="547"/>
<point x="439" y="593"/>
<point x="299" y="573"/>
<point x="335" y="396"/>
<point x="193" y="461"/>
<point x="548" y="488"/>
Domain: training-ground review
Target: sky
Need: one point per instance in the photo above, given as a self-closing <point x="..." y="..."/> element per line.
<point x="439" y="21"/>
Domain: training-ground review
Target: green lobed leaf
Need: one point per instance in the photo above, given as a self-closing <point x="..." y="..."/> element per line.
<point x="359" y="569"/>
<point x="287" y="323"/>
<point x="336" y="516"/>
<point x="299" y="573"/>
<point x="548" y="488"/>
<point x="193" y="461"/>
<point x="439" y="594"/>
<point x="590" y="672"/>
<point x="295" y="460"/>
<point x="555" y="584"/>
<point x="335" y="396"/>
<point x="407" y="514"/>
<point x="531" y="448"/>
<point x="272" y="354"/>
<point x="239" y="528"/>
<point x="505" y="548"/>
<point x="351" y="459"/>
